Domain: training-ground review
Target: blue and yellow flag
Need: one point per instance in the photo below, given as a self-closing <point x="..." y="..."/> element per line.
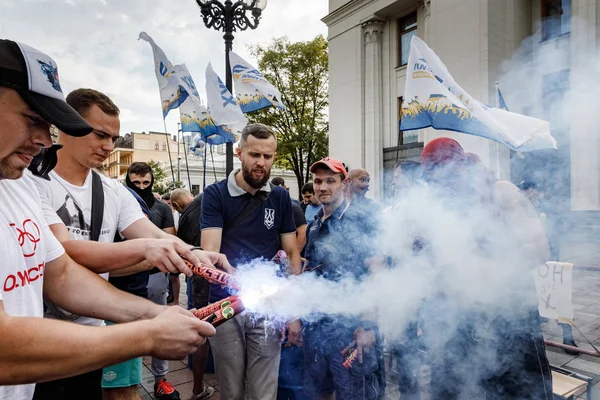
<point x="222" y="107"/>
<point x="194" y="115"/>
<point x="172" y="92"/>
<point x="252" y="90"/>
<point x="433" y="99"/>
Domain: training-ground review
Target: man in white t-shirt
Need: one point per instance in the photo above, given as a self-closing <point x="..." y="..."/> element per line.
<point x="71" y="182"/>
<point x="36" y="349"/>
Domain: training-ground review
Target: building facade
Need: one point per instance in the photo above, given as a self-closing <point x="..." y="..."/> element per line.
<point x="542" y="53"/>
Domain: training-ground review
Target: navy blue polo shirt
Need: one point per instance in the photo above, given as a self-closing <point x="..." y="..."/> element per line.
<point x="255" y="237"/>
<point x="339" y="246"/>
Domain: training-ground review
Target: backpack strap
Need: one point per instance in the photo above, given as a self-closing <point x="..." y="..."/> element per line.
<point x="97" y="207"/>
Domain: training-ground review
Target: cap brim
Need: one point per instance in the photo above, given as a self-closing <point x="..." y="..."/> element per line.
<point x="330" y="167"/>
<point x="58" y="113"/>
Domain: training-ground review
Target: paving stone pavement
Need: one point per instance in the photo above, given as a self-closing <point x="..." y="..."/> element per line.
<point x="586" y="303"/>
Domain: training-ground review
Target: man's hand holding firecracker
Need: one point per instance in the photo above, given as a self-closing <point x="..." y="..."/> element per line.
<point x="294" y="333"/>
<point x="175" y="333"/>
<point x="215" y="276"/>
<point x="365" y="340"/>
<point x="166" y="255"/>
<point x="215" y="260"/>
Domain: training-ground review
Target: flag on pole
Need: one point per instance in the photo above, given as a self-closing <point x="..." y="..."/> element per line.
<point x="195" y="116"/>
<point x="501" y="103"/>
<point x="172" y="93"/>
<point x="252" y="90"/>
<point x="224" y="110"/>
<point x="433" y="98"/>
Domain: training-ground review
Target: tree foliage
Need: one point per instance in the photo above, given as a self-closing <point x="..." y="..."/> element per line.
<point x="300" y="72"/>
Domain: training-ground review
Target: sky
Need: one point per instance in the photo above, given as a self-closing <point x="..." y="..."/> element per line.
<point x="94" y="43"/>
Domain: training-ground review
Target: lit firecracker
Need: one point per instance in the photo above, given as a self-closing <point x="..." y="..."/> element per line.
<point x="214" y="276"/>
<point x="221" y="311"/>
<point x="350" y="353"/>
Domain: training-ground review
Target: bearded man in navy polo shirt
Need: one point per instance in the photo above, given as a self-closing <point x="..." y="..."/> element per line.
<point x="246" y="354"/>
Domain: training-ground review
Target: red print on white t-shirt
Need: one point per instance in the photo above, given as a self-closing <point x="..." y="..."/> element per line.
<point x="28" y="236"/>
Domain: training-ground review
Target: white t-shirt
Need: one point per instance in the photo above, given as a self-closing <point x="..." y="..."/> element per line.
<point x="71" y="205"/>
<point x="26" y="245"/>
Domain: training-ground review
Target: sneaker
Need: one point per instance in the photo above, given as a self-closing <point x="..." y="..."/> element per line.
<point x="163" y="390"/>
<point x="206" y="393"/>
<point x="571" y="342"/>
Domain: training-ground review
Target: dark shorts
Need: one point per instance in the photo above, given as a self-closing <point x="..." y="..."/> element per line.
<point x="323" y="369"/>
<point x="84" y="386"/>
<point x="200" y="290"/>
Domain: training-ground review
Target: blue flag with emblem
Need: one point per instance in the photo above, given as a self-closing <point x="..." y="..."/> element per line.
<point x="252" y="90"/>
<point x="433" y="99"/>
<point x="172" y="92"/>
<point x="195" y="117"/>
<point x="222" y="107"/>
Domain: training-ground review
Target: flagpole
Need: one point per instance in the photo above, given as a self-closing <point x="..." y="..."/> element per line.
<point x="497" y="144"/>
<point x="169" y="150"/>
<point x="185" y="153"/>
<point x="204" y="167"/>
<point x="178" y="156"/>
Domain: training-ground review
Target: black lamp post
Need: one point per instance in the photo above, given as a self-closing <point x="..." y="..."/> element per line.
<point x="229" y="17"/>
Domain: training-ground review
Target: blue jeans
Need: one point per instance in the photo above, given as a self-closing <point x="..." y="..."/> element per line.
<point x="323" y="369"/>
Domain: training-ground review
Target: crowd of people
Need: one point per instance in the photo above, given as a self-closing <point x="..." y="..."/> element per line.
<point x="108" y="253"/>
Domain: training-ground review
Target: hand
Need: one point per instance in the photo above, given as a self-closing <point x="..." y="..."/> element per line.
<point x="176" y="333"/>
<point x="219" y="260"/>
<point x="294" y="331"/>
<point x="165" y="255"/>
<point x="364" y="341"/>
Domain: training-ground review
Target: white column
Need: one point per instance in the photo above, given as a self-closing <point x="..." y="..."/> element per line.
<point x="373" y="134"/>
<point x="585" y="122"/>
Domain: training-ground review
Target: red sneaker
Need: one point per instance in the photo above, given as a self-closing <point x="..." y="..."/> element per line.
<point x="163" y="390"/>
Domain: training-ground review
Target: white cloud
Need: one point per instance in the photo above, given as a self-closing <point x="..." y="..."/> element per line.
<point x="95" y="44"/>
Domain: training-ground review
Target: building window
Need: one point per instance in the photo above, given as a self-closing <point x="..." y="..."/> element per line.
<point x="156" y="146"/>
<point x="405" y="137"/>
<point x="164" y="146"/>
<point x="195" y="190"/>
<point x="407" y="28"/>
<point x="556" y="18"/>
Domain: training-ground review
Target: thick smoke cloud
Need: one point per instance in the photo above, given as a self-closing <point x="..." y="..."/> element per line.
<point x="452" y="257"/>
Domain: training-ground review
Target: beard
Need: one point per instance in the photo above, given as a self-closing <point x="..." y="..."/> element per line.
<point x="12" y="167"/>
<point x="10" y="171"/>
<point x="255" y="183"/>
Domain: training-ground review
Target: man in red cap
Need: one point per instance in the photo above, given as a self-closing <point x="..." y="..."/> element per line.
<point x="477" y="349"/>
<point x="34" y="262"/>
<point x="338" y="246"/>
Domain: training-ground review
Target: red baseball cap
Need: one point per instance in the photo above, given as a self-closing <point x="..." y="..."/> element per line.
<point x="331" y="164"/>
<point x="442" y="151"/>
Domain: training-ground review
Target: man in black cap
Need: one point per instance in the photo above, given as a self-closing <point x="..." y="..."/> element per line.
<point x="36" y="349"/>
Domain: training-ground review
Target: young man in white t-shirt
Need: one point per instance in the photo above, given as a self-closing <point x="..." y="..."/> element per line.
<point x="71" y="182"/>
<point x="36" y="349"/>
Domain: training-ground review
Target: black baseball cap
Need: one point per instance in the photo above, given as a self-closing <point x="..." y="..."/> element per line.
<point x="34" y="75"/>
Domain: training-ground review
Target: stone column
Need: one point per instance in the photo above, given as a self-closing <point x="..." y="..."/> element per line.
<point x="582" y="111"/>
<point x="372" y="133"/>
<point x="427" y="20"/>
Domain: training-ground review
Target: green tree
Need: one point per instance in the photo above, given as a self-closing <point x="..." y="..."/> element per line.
<point x="163" y="184"/>
<point x="299" y="71"/>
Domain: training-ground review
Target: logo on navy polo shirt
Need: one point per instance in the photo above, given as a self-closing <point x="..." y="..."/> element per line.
<point x="269" y="217"/>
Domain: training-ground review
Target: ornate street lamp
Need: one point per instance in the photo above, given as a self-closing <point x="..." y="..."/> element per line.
<point x="230" y="17"/>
